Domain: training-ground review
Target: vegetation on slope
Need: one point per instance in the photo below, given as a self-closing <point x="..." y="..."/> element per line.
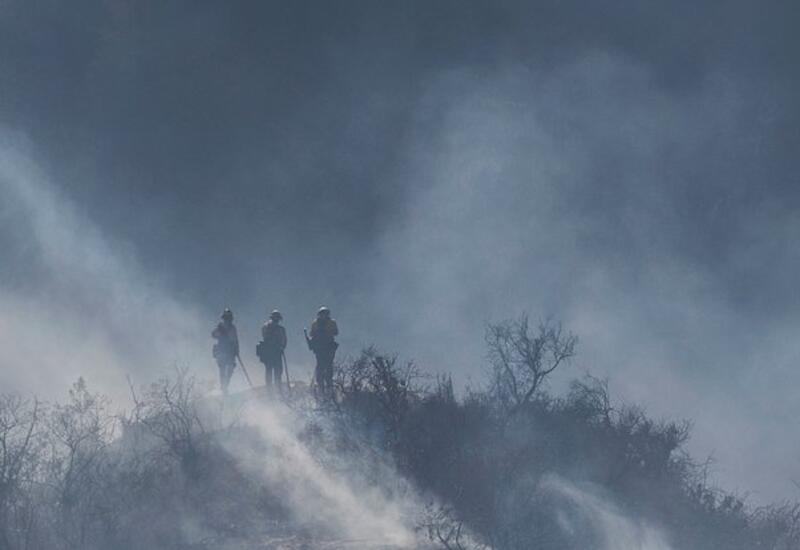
<point x="170" y="474"/>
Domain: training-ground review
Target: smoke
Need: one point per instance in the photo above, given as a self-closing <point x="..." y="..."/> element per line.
<point x="590" y="193"/>
<point x="354" y="498"/>
<point x="607" y="525"/>
<point x="630" y="169"/>
<point x="74" y="302"/>
<point x="78" y="303"/>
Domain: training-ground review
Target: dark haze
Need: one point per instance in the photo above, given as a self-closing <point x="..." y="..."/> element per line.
<point x="630" y="168"/>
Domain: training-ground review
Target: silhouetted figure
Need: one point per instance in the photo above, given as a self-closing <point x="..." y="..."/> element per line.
<point x="226" y="350"/>
<point x="322" y="342"/>
<point x="270" y="349"/>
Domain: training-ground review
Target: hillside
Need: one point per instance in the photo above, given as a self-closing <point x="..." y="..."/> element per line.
<point x="396" y="460"/>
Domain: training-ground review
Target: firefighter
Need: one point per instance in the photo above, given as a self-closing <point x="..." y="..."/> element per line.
<point x="226" y="349"/>
<point x="271" y="349"/>
<point x="322" y="341"/>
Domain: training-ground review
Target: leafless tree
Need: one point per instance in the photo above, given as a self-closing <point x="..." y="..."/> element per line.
<point x="522" y="358"/>
<point x="80" y="432"/>
<point x="20" y="445"/>
<point x="443" y="528"/>
<point x="168" y="410"/>
<point x="591" y="398"/>
<point x="781" y="523"/>
<point x="391" y="384"/>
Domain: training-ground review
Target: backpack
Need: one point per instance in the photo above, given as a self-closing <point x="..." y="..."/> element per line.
<point x="260" y="351"/>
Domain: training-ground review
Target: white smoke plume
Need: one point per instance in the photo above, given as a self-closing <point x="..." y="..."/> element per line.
<point x="94" y="312"/>
<point x="357" y="499"/>
<point x="606" y="523"/>
<point x="83" y="306"/>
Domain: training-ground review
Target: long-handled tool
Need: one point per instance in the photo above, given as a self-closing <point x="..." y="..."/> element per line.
<point x="286" y="370"/>
<point x="244" y="370"/>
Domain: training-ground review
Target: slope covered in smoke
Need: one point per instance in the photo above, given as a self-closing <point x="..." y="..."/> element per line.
<point x="395" y="462"/>
<point x="398" y="462"/>
<point x="630" y="167"/>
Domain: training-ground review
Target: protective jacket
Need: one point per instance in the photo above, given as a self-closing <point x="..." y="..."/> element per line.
<point x="274" y="336"/>
<point x="323" y="332"/>
<point x="227" y="346"/>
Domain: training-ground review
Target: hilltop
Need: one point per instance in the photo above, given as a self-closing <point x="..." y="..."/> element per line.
<point x="394" y="460"/>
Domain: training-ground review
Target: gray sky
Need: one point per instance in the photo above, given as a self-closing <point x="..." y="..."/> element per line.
<point x="630" y="168"/>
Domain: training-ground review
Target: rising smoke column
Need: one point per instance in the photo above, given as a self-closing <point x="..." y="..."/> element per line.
<point x="73" y="301"/>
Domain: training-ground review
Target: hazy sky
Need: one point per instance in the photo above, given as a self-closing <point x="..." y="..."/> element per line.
<point x="630" y="168"/>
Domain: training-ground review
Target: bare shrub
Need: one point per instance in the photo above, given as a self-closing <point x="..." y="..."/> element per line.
<point x="522" y="358"/>
<point x="169" y="475"/>
<point x="168" y="410"/>
<point x="443" y="528"/>
<point x="21" y="443"/>
<point x="80" y="432"/>
<point x="380" y="387"/>
<point x="780" y="524"/>
<point x="590" y="399"/>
